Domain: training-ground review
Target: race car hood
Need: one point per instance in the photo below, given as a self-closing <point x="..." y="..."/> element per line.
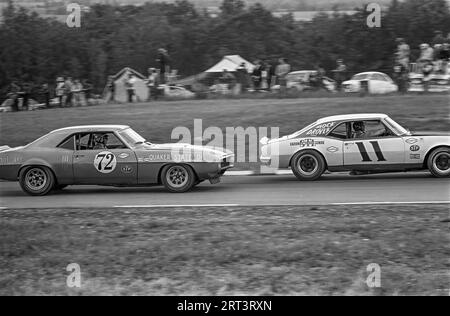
<point x="428" y="133"/>
<point x="206" y="151"/>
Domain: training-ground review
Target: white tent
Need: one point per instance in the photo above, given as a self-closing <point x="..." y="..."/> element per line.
<point x="140" y="86"/>
<point x="230" y="63"/>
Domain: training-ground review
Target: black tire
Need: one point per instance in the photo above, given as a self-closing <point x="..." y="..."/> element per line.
<point x="308" y="165"/>
<point x="178" y="178"/>
<point x="36" y="180"/>
<point x="438" y="162"/>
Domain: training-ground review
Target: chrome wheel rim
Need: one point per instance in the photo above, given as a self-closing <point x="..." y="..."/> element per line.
<point x="307" y="165"/>
<point x="35" y="179"/>
<point x="177" y="176"/>
<point x="441" y="162"/>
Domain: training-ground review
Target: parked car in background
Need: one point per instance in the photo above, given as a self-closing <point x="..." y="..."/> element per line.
<point x="305" y="80"/>
<point x="372" y="82"/>
<point x="177" y="92"/>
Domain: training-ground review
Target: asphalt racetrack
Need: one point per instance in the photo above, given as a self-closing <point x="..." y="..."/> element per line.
<point x="402" y="188"/>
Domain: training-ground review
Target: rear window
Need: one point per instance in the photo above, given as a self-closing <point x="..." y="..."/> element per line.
<point x="69" y="143"/>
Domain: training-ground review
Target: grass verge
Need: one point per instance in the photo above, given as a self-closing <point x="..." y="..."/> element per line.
<point x="156" y="120"/>
<point x="299" y="250"/>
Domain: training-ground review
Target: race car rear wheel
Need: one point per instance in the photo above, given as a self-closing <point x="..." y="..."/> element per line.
<point x="439" y="162"/>
<point x="308" y="165"/>
<point x="36" y="180"/>
<point x="178" y="178"/>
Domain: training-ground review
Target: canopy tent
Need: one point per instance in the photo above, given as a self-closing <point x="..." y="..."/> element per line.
<point x="230" y="63"/>
<point x="140" y="86"/>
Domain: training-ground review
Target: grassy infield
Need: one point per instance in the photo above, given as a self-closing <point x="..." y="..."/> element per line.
<point x="251" y="250"/>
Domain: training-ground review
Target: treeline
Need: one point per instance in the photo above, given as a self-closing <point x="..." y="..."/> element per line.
<point x="38" y="50"/>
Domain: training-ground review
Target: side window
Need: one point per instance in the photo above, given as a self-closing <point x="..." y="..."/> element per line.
<point x="378" y="77"/>
<point x="114" y="142"/>
<point x="339" y="132"/>
<point x="69" y="143"/>
<point x="83" y="141"/>
<point x="369" y="129"/>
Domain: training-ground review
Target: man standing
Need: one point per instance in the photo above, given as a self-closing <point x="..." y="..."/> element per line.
<point x="257" y="75"/>
<point x="59" y="90"/>
<point x="242" y="77"/>
<point x="129" y="86"/>
<point x="163" y="62"/>
<point x="152" y="84"/>
<point x="281" y="71"/>
<point x="45" y="93"/>
<point x="340" y="73"/>
<point x="402" y="54"/>
<point x="26" y="92"/>
<point x="111" y="86"/>
<point x="14" y="94"/>
<point x="68" y="85"/>
<point x="270" y="73"/>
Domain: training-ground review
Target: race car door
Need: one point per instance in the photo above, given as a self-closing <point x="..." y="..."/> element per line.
<point x="376" y="148"/>
<point x="108" y="162"/>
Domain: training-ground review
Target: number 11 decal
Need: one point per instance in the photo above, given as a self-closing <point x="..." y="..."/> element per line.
<point x="365" y="156"/>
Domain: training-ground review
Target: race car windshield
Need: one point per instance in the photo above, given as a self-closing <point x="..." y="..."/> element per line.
<point x="399" y="130"/>
<point x="131" y="137"/>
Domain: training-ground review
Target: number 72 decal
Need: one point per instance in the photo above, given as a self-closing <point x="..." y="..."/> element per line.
<point x="365" y="156"/>
<point x="105" y="162"/>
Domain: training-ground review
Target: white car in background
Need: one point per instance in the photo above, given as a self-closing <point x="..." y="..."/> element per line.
<point x="301" y="80"/>
<point x="177" y="92"/>
<point x="377" y="83"/>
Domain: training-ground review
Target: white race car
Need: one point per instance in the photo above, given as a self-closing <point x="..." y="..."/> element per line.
<point x="361" y="143"/>
<point x="377" y="83"/>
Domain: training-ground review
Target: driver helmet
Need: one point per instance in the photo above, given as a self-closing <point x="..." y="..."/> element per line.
<point x="101" y="139"/>
<point x="358" y="126"/>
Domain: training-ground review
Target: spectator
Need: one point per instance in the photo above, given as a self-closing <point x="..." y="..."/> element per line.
<point x="129" y="86"/>
<point x="257" y="75"/>
<point x="400" y="77"/>
<point x="45" y="93"/>
<point x="438" y="38"/>
<point x="163" y="61"/>
<point x="281" y="71"/>
<point x="426" y="53"/>
<point x="68" y="91"/>
<point x="242" y="77"/>
<point x="402" y="53"/>
<point x="14" y="92"/>
<point x="111" y="86"/>
<point x="87" y="88"/>
<point x="77" y="90"/>
<point x="319" y="77"/>
<point x="228" y="79"/>
<point x="152" y="84"/>
<point x="340" y="73"/>
<point x="59" y="90"/>
<point x="270" y="73"/>
<point x="26" y="93"/>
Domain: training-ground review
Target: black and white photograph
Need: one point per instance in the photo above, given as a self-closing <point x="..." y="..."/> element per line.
<point x="225" y="155"/>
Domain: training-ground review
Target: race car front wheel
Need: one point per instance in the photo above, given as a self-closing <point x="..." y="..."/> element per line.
<point x="37" y="180"/>
<point x="439" y="162"/>
<point x="178" y="178"/>
<point x="308" y="165"/>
